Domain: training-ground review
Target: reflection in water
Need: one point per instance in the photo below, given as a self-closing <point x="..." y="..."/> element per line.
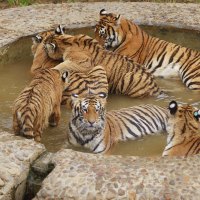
<point x="15" y="67"/>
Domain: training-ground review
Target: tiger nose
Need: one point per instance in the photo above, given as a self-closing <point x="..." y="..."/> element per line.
<point x="91" y="122"/>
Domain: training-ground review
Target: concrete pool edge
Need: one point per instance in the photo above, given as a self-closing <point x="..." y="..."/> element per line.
<point x="163" y="174"/>
<point x="37" y="18"/>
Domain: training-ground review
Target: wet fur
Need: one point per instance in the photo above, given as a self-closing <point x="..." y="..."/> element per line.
<point x="109" y="128"/>
<point x="160" y="57"/>
<point x="183" y="133"/>
<point x="124" y="76"/>
<point x="38" y="104"/>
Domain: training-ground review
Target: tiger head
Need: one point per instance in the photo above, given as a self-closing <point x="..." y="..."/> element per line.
<point x="88" y="113"/>
<point x="38" y="39"/>
<point x="183" y="120"/>
<point x="56" y="45"/>
<point x="107" y="30"/>
<point x="41" y="37"/>
<point x="41" y="59"/>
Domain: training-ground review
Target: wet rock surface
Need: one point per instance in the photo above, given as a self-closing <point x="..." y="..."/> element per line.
<point x="87" y="176"/>
<point x="16" y="155"/>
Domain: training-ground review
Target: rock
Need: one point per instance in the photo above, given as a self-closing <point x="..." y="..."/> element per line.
<point x="1" y="183"/>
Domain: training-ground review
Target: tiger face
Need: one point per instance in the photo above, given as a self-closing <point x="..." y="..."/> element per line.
<point x="107" y="30"/>
<point x="183" y="131"/>
<point x="37" y="40"/>
<point x="88" y="114"/>
<point x="184" y="119"/>
<point x="56" y="45"/>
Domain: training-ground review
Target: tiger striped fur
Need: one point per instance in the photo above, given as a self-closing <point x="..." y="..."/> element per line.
<point x="94" y="80"/>
<point x="42" y="60"/>
<point x="124" y="76"/>
<point x="39" y="103"/>
<point x="183" y="131"/>
<point x="91" y="127"/>
<point x="81" y="83"/>
<point x="160" y="57"/>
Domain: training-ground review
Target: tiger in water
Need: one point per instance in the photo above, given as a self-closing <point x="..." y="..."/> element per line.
<point x="159" y="57"/>
<point x="42" y="60"/>
<point x="91" y="127"/>
<point x="91" y="80"/>
<point x="39" y="103"/>
<point x="183" y="130"/>
<point x="124" y="76"/>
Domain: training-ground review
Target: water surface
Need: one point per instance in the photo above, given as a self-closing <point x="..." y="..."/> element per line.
<point x="15" y="75"/>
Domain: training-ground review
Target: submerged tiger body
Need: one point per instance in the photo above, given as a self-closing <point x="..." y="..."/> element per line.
<point x="39" y="103"/>
<point x="124" y="76"/>
<point x="160" y="57"/>
<point x="183" y="131"/>
<point x="91" y="127"/>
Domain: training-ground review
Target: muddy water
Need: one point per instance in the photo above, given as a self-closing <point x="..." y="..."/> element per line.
<point x="14" y="75"/>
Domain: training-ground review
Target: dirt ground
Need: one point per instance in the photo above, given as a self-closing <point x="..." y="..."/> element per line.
<point x="4" y="3"/>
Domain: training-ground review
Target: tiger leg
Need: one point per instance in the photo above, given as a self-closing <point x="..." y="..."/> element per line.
<point x="16" y="125"/>
<point x="55" y="116"/>
<point x="38" y="134"/>
<point x="64" y="100"/>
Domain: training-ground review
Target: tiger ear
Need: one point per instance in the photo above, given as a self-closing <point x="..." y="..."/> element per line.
<point x="173" y="106"/>
<point x="102" y="12"/>
<point x="50" y="47"/>
<point x="197" y="114"/>
<point x="37" y="39"/>
<point x="60" y="30"/>
<point x="65" y="76"/>
<point x="117" y="18"/>
<point x="103" y="95"/>
<point x="74" y="98"/>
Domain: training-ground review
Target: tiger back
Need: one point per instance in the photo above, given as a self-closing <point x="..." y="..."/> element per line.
<point x="82" y="83"/>
<point x="124" y="76"/>
<point x="39" y="103"/>
<point x="183" y="131"/>
<point x="91" y="127"/>
<point x="159" y="57"/>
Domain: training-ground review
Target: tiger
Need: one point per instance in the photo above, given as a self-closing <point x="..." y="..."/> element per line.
<point x="183" y="129"/>
<point x="124" y="76"/>
<point x="159" y="57"/>
<point x="39" y="103"/>
<point x="82" y="83"/>
<point x="99" y="131"/>
<point x="93" y="80"/>
<point x="42" y="60"/>
<point x="38" y="38"/>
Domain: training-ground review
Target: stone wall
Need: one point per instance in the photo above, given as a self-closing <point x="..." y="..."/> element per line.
<point x="16" y="156"/>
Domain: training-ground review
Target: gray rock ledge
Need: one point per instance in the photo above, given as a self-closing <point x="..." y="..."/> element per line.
<point x="23" y="21"/>
<point x="83" y="176"/>
<point x="16" y="155"/>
